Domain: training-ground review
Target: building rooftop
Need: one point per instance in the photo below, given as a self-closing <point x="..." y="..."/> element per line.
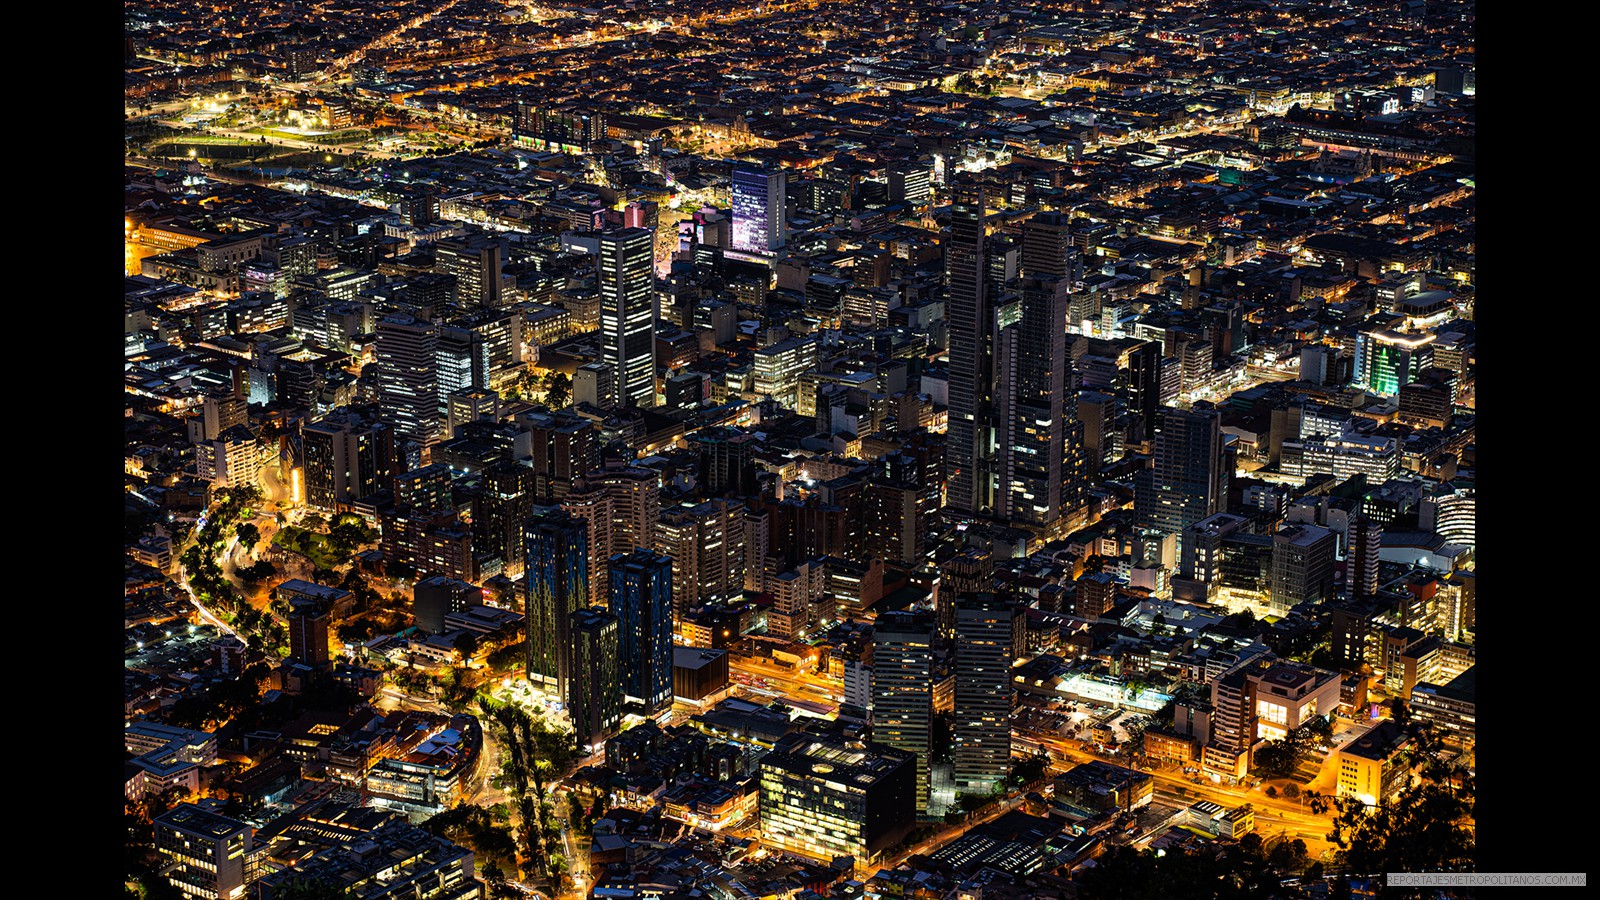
<point x="1380" y="742"/>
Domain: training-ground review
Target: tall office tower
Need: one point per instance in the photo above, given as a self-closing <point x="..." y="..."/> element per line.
<point x="555" y="582"/>
<point x="1002" y="258"/>
<point x="911" y="181"/>
<point x="348" y="455"/>
<point x="706" y="545"/>
<point x="308" y="632"/>
<point x="1188" y="479"/>
<point x="985" y="649"/>
<point x="594" y="692"/>
<point x="462" y="364"/>
<point x="970" y="435"/>
<point x="970" y="571"/>
<point x="408" y="379"/>
<point x="641" y="599"/>
<point x="759" y="224"/>
<point x="902" y="689"/>
<point x="212" y="856"/>
<point x="1361" y="557"/>
<point x="1030" y="388"/>
<point x="475" y="262"/>
<point x="628" y="313"/>
<point x="1047" y="247"/>
<point x="1102" y="441"/>
<point x="1302" y="566"/>
<point x="1144" y="387"/>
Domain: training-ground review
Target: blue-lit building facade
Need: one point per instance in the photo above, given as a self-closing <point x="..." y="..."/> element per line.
<point x="641" y="599"/>
<point x="555" y="584"/>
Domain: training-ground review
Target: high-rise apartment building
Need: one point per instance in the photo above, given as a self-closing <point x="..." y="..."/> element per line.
<point x="564" y="447"/>
<point x="628" y="313"/>
<point x="622" y="506"/>
<point x="706" y="544"/>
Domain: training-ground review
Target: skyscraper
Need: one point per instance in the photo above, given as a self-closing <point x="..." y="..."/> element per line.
<point x="1144" y="387"/>
<point x="1047" y="246"/>
<point x="641" y="599"/>
<point x="902" y="689"/>
<point x="555" y="582"/>
<point x="622" y="506"/>
<point x="627" y="313"/>
<point x="970" y="447"/>
<point x="1188" y="479"/>
<point x="594" y="692"/>
<point x="408" y="378"/>
<point x="1035" y="487"/>
<point x="969" y="571"/>
<point x="759" y="224"/>
<point x="985" y="649"/>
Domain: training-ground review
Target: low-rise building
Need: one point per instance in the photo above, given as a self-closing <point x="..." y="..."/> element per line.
<point x="1375" y="765"/>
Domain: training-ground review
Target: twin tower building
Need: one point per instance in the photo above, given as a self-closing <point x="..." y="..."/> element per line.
<point x="598" y="659"/>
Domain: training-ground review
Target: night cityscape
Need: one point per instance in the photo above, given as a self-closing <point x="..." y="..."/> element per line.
<point x="739" y="450"/>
